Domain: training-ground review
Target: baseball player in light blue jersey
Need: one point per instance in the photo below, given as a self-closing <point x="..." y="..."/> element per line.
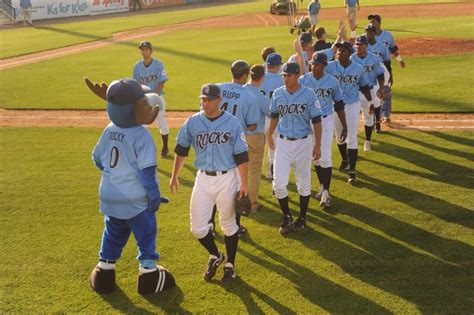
<point x="313" y="10"/>
<point x="329" y="94"/>
<point x="151" y="72"/>
<point x="256" y="138"/>
<point x="129" y="192"/>
<point x="374" y="73"/>
<point x="222" y="161"/>
<point x="352" y="6"/>
<point x="351" y="77"/>
<point x="386" y="38"/>
<point x="273" y="80"/>
<point x="296" y="113"/>
<point x="238" y="101"/>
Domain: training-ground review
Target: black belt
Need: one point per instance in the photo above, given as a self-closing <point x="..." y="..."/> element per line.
<point x="213" y="173"/>
<point x="292" y="139"/>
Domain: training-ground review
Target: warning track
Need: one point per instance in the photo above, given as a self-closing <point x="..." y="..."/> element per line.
<point x="99" y="119"/>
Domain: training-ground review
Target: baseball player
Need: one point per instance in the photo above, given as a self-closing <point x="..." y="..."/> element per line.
<point x="265" y="52"/>
<point x="386" y="38"/>
<point x="329" y="94"/>
<point x="350" y="6"/>
<point x="374" y="73"/>
<point x="129" y="191"/>
<point x="256" y="138"/>
<point x="26" y="7"/>
<point x="151" y="72"/>
<point x="296" y="112"/>
<point x="352" y="79"/>
<point x="313" y="10"/>
<point x="237" y="100"/>
<point x="222" y="161"/>
<point x="321" y="37"/>
<point x="273" y="80"/>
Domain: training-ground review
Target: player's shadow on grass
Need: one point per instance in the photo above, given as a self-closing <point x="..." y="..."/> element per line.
<point x="430" y="271"/>
<point x="462" y="106"/>
<point x="463" y="154"/>
<point x="318" y="290"/>
<point x="437" y="207"/>
<point x="452" y="138"/>
<point x="168" y="301"/>
<point x="448" y="172"/>
<point x="121" y="302"/>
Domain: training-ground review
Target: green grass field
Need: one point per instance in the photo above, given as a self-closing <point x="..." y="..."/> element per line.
<point x="206" y="57"/>
<point x="400" y="242"/>
<point x="28" y="40"/>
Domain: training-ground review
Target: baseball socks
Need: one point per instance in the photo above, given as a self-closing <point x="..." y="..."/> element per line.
<point x="343" y="151"/>
<point x="287" y="220"/>
<point x="368" y="132"/>
<point x="377" y="118"/>
<point x="209" y="244"/>
<point x="324" y="176"/>
<point x="352" y="165"/>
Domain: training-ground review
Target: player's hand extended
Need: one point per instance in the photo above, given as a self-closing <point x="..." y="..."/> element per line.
<point x="154" y="204"/>
<point x="402" y="64"/>
<point x="271" y="144"/>
<point x="316" y="153"/>
<point x="390" y="81"/>
<point x="343" y="135"/>
<point x="174" y="184"/>
<point x="380" y="93"/>
<point x="243" y="190"/>
<point x="297" y="46"/>
<point x="371" y="109"/>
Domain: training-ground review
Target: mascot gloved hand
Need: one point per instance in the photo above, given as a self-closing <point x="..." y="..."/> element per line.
<point x="129" y="189"/>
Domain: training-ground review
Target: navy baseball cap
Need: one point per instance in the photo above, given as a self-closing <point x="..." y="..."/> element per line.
<point x="125" y="91"/>
<point x="274" y="59"/>
<point x="346" y="45"/>
<point x="370" y="27"/>
<point x="305" y="38"/>
<point x="145" y="44"/>
<point x="376" y="17"/>
<point x="362" y="40"/>
<point x="210" y="91"/>
<point x="290" y="68"/>
<point x="320" y="58"/>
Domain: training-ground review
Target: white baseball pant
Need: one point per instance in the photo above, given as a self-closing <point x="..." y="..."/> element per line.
<point x="327" y="124"/>
<point x="352" y="119"/>
<point x="161" y="119"/>
<point x="216" y="190"/>
<point x="365" y="106"/>
<point x="296" y="153"/>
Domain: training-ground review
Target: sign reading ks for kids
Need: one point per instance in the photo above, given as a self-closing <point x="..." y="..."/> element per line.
<point x="48" y="9"/>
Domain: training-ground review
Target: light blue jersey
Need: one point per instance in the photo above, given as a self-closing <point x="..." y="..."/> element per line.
<point x="215" y="142"/>
<point x="150" y="76"/>
<point x="271" y="83"/>
<point x="313" y="8"/>
<point x="372" y="67"/>
<point x="327" y="90"/>
<point x="351" y="79"/>
<point x="263" y="104"/>
<point x="380" y="50"/>
<point x="386" y="38"/>
<point x="329" y="52"/>
<point x="351" y="3"/>
<point x="238" y="101"/>
<point x="123" y="152"/>
<point x="295" y="111"/>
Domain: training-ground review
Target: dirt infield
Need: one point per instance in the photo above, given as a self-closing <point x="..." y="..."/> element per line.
<point x="437" y="46"/>
<point x="99" y="119"/>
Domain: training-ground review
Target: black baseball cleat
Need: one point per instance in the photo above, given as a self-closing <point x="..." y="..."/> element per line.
<point x="213" y="264"/>
<point x="154" y="280"/>
<point x="102" y="280"/>
<point x="165" y="152"/>
<point x="299" y="224"/>
<point x="352" y="178"/>
<point x="286" y="225"/>
<point x="242" y="230"/>
<point x="229" y="274"/>
<point x="344" y="166"/>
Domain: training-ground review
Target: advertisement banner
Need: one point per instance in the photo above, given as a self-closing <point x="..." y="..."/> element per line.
<point x="108" y="6"/>
<point x="149" y="4"/>
<point x="48" y="9"/>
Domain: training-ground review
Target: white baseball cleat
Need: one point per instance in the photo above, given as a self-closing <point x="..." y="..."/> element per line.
<point x="319" y="193"/>
<point x="325" y="199"/>
<point x="367" y="146"/>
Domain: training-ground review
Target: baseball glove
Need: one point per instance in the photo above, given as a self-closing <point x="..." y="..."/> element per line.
<point x="242" y="205"/>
